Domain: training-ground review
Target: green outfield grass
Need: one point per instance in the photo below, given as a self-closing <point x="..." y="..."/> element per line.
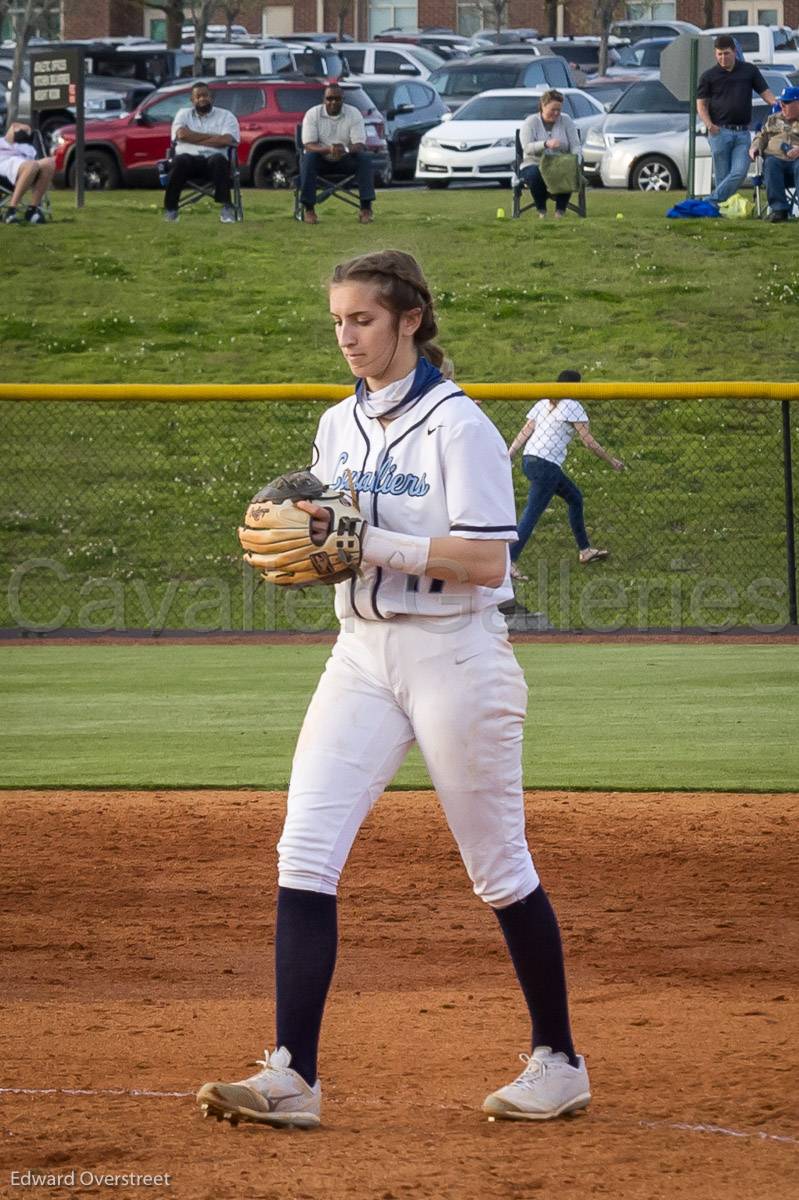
<point x="112" y="293"/>
<point x="627" y="717"/>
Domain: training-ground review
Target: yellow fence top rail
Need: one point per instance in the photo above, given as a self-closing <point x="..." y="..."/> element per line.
<point x="169" y="393"/>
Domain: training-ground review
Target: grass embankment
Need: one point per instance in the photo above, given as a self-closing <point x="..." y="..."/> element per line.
<point x="625" y="717"/>
<point x="145" y="498"/>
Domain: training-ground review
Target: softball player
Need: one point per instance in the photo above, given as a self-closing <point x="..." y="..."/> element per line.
<point x="423" y="656"/>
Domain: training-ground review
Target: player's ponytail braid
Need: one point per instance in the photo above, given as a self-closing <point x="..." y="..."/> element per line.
<point x="402" y="287"/>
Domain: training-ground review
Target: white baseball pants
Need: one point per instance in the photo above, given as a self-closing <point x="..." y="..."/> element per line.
<point x="453" y="686"/>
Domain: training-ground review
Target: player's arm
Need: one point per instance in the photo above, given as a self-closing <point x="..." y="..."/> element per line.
<point x="523" y="436"/>
<point x="480" y="562"/>
<point x="590" y="443"/>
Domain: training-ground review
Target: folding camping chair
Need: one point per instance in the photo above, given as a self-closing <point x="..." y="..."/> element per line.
<point x="7" y="187"/>
<point x="341" y="185"/>
<point x="758" y="183"/>
<point x="200" y="189"/>
<point x="518" y="187"/>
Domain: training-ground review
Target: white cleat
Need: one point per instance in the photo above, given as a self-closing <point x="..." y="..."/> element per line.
<point x="547" y="1087"/>
<point x="276" y="1096"/>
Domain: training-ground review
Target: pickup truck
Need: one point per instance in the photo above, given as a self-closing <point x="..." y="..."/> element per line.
<point x="764" y="43"/>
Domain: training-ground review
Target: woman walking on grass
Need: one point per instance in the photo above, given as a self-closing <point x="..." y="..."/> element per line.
<point x="550" y="427"/>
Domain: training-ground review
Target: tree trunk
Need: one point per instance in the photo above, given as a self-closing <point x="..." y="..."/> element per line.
<point x="201" y="14"/>
<point x="23" y="27"/>
<point x="603" y="51"/>
<point x="551" y="14"/>
<point x="174" y="27"/>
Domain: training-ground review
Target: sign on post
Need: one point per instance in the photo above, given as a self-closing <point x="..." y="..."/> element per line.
<point x="57" y="81"/>
<point x="675" y="63"/>
<point x="681" y="64"/>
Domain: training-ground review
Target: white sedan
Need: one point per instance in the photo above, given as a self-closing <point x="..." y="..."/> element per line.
<point x="478" y="141"/>
<point x="657" y="163"/>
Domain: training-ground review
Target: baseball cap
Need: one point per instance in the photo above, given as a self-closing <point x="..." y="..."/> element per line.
<point x="788" y="95"/>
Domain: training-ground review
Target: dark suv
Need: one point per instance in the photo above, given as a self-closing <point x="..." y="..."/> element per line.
<point x="125" y="152"/>
<point x="459" y="80"/>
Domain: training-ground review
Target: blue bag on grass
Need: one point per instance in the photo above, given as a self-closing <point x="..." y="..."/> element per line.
<point x="693" y="208"/>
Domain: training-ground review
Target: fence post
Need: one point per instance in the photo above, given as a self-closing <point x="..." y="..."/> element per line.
<point x="790" y="540"/>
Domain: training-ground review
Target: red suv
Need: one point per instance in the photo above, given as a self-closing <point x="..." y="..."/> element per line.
<point x="124" y="151"/>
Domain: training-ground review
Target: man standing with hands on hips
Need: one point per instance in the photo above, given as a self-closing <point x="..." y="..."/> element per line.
<point x="724" y="103"/>
<point x="334" y="135"/>
<point x="778" y="142"/>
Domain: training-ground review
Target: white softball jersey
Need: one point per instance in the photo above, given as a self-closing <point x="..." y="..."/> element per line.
<point x="452" y="687"/>
<point x="439" y="468"/>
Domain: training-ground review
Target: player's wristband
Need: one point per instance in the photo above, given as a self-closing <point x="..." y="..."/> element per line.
<point x="397" y="551"/>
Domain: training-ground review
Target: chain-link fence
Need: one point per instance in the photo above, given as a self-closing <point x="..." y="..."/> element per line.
<point x="122" y="516"/>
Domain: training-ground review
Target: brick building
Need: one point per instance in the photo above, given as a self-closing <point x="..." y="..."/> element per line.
<point x="364" y="18"/>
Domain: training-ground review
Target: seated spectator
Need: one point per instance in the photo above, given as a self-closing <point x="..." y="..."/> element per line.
<point x="334" y="136"/>
<point x="778" y="142"/>
<point x="545" y="134"/>
<point x="21" y="170"/>
<point x="202" y="134"/>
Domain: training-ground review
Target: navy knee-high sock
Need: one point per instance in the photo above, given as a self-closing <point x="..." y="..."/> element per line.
<point x="305" y="957"/>
<point x="531" y="931"/>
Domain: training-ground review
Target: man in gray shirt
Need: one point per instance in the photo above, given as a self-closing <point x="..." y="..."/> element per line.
<point x="334" y="142"/>
<point x="202" y="135"/>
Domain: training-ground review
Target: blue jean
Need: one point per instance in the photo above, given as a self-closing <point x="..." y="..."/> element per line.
<point x="548" y="480"/>
<point x="730" y="151"/>
<point x="778" y="174"/>
<point x="531" y="177"/>
<point x="359" y="164"/>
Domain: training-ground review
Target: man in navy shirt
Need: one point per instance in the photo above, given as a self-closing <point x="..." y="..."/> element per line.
<point x="724" y="103"/>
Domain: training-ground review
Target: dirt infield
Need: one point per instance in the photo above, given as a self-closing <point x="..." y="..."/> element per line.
<point x="136" y="937"/>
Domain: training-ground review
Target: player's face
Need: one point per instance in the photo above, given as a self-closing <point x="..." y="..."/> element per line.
<point x="725" y="59"/>
<point x="550" y="112"/>
<point x="377" y="344"/>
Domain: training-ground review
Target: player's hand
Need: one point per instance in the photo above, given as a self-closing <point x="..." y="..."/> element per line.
<point x="552" y="144"/>
<point x="753" y="153"/>
<point x="711" y="128"/>
<point x="617" y="464"/>
<point x="320" y="519"/>
<point x="793" y="154"/>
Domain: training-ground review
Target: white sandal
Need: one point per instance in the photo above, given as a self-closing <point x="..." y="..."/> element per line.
<point x="592" y="555"/>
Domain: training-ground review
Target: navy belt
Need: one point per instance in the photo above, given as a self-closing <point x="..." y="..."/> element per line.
<point x="736" y="128"/>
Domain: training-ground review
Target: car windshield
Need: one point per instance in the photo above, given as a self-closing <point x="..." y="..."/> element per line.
<point x="426" y="57"/>
<point x="784" y="39"/>
<point x="379" y="93"/>
<point x="473" y="80"/>
<point x="777" y="80"/>
<point x="650" y="96"/>
<point x="606" y="93"/>
<point x="497" y="108"/>
<point x="358" y="98"/>
<point x="641" y="56"/>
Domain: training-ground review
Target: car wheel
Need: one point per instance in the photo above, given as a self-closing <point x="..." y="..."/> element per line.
<point x="437" y="184"/>
<point x="386" y="176"/>
<point x="275" y="169"/>
<point x="653" y="174"/>
<point x="100" y="171"/>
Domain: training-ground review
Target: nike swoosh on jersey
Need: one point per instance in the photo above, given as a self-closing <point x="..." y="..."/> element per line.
<point x="435" y="427"/>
